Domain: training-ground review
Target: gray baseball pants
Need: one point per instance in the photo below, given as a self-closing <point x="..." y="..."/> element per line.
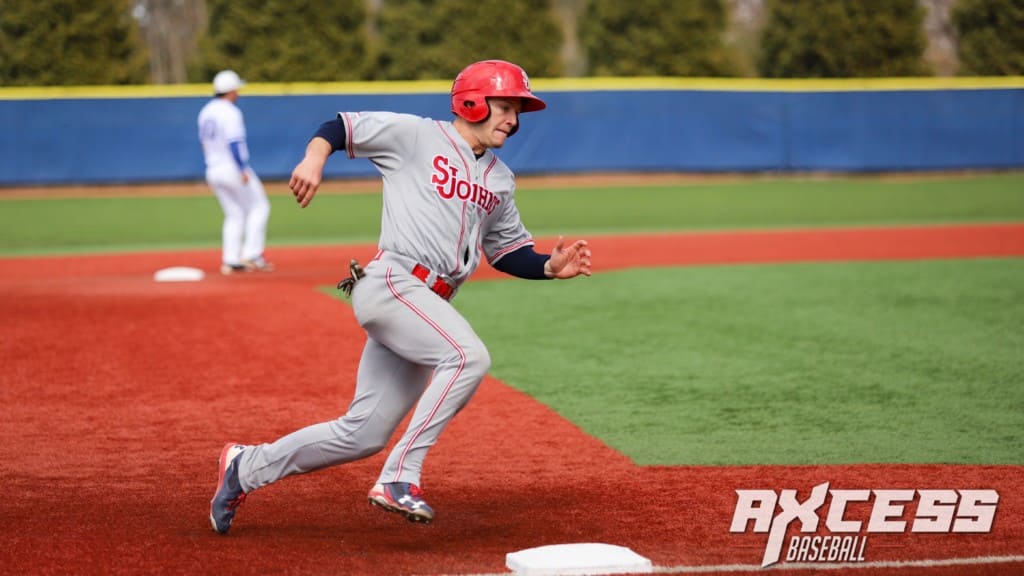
<point x="419" y="352"/>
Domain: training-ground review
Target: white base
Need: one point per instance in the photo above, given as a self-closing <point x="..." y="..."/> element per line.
<point x="179" y="274"/>
<point x="577" y="559"/>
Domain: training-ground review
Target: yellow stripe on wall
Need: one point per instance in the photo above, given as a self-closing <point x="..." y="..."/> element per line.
<point x="779" y="85"/>
<point x="539" y="85"/>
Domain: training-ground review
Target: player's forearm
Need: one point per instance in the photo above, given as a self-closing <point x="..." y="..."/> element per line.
<point x="236" y="153"/>
<point x="318" y="149"/>
<point x="525" y="263"/>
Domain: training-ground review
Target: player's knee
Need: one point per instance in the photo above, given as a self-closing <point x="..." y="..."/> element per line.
<point x="477" y="359"/>
<point x="262" y="208"/>
<point x="373" y="447"/>
<point x="234" y="217"/>
<point x="364" y="445"/>
<point x="362" y="432"/>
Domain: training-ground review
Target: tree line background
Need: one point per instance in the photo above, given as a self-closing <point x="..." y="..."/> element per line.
<point x="93" y="42"/>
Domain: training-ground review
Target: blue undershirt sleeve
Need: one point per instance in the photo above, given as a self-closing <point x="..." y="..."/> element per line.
<point x="334" y="132"/>
<point x="524" y="263"/>
<point x="236" y="152"/>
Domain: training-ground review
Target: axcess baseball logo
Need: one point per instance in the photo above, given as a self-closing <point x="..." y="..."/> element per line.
<point x="448" y="185"/>
<point x="937" y="511"/>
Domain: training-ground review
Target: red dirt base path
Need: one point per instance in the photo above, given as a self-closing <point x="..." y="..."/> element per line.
<point x="118" y="393"/>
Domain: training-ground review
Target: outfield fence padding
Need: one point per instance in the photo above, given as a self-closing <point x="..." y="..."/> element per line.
<point x="111" y="137"/>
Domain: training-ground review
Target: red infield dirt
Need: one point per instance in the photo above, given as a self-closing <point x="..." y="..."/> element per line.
<point x="118" y="393"/>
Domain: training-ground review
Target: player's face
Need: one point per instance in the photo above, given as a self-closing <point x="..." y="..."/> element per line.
<point x="504" y="118"/>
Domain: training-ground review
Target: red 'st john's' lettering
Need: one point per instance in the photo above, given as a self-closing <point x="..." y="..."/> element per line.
<point x="448" y="185"/>
<point x="441" y="176"/>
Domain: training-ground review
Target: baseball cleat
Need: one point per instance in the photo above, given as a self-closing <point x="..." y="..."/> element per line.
<point x="403" y="498"/>
<point x="229" y="495"/>
<point x="258" y="265"/>
<point x="229" y="269"/>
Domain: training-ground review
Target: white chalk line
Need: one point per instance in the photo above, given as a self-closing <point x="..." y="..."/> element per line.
<point x="818" y="566"/>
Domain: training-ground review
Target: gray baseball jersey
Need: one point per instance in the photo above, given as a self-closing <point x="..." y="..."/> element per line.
<point x="441" y="203"/>
<point x="444" y="209"/>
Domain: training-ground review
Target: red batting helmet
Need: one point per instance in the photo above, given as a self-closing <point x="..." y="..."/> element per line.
<point x="487" y="79"/>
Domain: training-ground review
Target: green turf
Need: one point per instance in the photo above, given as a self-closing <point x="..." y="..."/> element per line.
<point x="117" y="224"/>
<point x="77" y="225"/>
<point x="776" y="203"/>
<point x="785" y="364"/>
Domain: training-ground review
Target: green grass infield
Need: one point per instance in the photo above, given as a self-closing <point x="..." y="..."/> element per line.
<point x="781" y="364"/>
<point x="70" y="225"/>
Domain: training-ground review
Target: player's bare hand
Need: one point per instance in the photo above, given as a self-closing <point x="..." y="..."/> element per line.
<point x="306" y="177"/>
<point x="305" y="180"/>
<point x="567" y="262"/>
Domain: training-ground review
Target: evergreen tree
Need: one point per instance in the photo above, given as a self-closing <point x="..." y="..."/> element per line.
<point x="656" y="38"/>
<point x="435" y="39"/>
<point x="70" y="42"/>
<point x="283" y="40"/>
<point x="991" y="34"/>
<point x="843" y="38"/>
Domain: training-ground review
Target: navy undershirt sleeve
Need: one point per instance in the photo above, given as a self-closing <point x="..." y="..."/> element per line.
<point x="524" y="263"/>
<point x="334" y="132"/>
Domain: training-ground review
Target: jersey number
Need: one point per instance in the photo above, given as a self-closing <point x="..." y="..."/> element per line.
<point x="208" y="130"/>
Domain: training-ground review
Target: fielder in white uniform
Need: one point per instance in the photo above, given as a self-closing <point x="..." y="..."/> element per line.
<point x="237" y="187"/>
<point x="448" y="202"/>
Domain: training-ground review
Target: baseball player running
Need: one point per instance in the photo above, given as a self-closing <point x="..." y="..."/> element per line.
<point x="237" y="187"/>
<point x="448" y="202"/>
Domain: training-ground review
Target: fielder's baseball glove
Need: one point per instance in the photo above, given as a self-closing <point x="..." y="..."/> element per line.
<point x="355" y="274"/>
